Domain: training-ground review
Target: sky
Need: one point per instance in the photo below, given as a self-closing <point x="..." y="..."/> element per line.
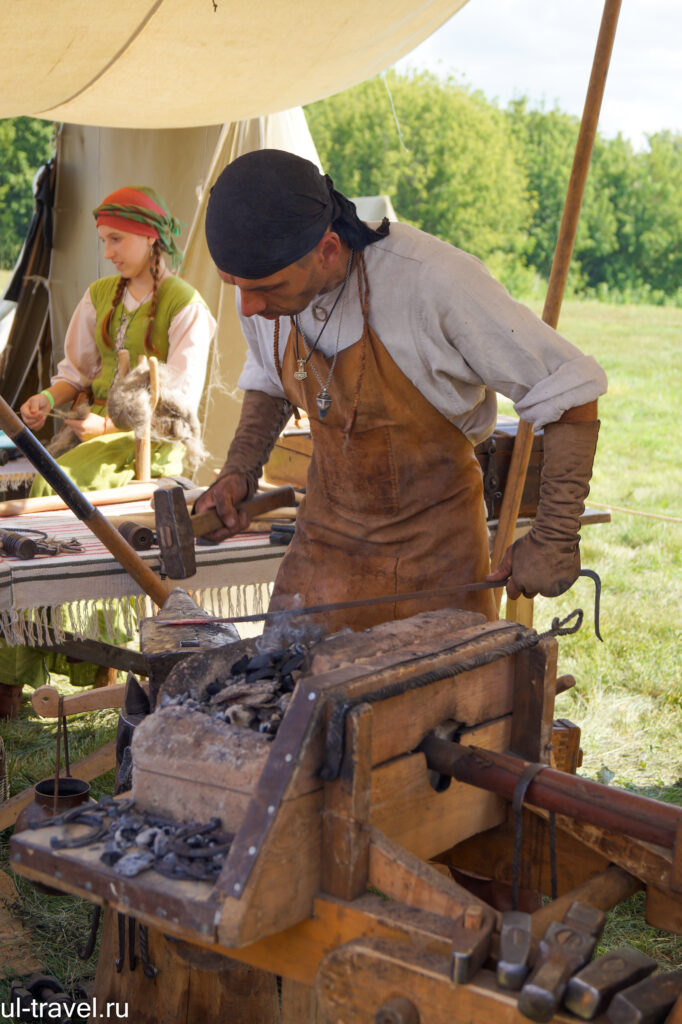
<point x="543" y="49"/>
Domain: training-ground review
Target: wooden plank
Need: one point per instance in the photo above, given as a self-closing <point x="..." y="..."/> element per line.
<point x="354" y="982"/>
<point x="45" y="700"/>
<point x="533" y="710"/>
<point x="179" y="906"/>
<point x="285" y="876"/>
<point x="402" y="640"/>
<point x="676" y="870"/>
<point x="192" y="767"/>
<point x="491" y="854"/>
<point x="400" y="723"/>
<point x="520" y="610"/>
<point x="565" y="754"/>
<point x="90" y="767"/>
<point x="407" y="878"/>
<point x="296" y="952"/>
<point x="289" y="761"/>
<point x="651" y="864"/>
<point x="299" y="1004"/>
<point x="345" y="838"/>
<point x="407" y="809"/>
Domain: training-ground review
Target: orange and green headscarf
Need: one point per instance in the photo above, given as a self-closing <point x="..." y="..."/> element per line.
<point x="141" y="211"/>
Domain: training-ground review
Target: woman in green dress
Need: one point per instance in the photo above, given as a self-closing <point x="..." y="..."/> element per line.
<point x="146" y="309"/>
<point x="143" y="308"/>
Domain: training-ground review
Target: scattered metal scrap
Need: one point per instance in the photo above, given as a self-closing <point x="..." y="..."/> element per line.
<point x="134" y="841"/>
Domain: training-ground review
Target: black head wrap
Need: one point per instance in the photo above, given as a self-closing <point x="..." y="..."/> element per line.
<point x="269" y="208"/>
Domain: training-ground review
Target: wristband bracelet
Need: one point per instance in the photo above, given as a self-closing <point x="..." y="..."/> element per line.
<point x="49" y="396"/>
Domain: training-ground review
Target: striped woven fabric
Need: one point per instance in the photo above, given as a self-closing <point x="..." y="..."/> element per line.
<point x="65" y="591"/>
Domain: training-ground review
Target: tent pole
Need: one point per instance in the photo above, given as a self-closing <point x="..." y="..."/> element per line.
<point x="560" y="265"/>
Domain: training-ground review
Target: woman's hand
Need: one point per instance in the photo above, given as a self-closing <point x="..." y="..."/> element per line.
<point x="35" y="410"/>
<point x="92" y="426"/>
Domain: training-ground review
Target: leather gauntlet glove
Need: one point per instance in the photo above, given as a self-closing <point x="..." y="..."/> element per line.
<point x="547" y="559"/>
<point x="261" y="421"/>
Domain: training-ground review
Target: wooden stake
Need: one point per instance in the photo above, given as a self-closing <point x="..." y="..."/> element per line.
<point x="560" y="266"/>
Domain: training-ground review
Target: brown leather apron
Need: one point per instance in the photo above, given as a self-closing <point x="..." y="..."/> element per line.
<point x="394" y="496"/>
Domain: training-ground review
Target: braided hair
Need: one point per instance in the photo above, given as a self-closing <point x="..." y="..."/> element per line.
<point x="155" y="268"/>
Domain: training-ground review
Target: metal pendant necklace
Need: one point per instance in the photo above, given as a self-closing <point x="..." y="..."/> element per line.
<point x="323" y="398"/>
<point x="126" y="318"/>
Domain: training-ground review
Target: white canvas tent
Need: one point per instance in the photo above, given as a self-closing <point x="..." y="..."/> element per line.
<point x="182" y="63"/>
<point x="148" y="78"/>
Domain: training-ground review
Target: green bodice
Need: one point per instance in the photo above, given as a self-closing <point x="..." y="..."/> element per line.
<point x="173" y="295"/>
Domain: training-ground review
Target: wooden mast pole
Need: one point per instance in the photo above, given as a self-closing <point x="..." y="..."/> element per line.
<point x="560" y="265"/>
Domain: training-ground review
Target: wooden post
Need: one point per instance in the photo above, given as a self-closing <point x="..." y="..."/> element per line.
<point x="345" y="834"/>
<point x="143" y="444"/>
<point x="533" y="708"/>
<point x="560" y="266"/>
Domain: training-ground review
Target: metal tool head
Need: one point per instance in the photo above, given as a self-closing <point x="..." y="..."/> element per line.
<point x="647" y="1002"/>
<point x="174" y="533"/>
<point x="515" y="945"/>
<point x="589" y="991"/>
<point x="585" y="918"/>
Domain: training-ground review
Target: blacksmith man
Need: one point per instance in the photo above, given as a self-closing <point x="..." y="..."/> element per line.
<point x="394" y="343"/>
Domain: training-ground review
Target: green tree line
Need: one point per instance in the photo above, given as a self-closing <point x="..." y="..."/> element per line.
<point x="25" y="144"/>
<point x="493" y="181"/>
<point x="489" y="180"/>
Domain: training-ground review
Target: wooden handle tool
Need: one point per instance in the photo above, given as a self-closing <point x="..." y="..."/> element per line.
<point x="176" y="529"/>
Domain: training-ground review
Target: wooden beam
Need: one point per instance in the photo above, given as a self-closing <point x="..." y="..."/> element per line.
<point x="523" y="443"/>
<point x="345" y="836"/>
<point x="603" y="891"/>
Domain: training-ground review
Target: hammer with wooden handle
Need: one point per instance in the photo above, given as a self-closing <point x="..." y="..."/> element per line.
<point x="176" y="529"/>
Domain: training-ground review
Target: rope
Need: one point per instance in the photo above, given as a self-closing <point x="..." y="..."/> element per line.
<point x="518" y="798"/>
<point x="636" y="512"/>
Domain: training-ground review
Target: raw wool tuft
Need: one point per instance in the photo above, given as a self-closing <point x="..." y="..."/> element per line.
<point x="65" y="439"/>
<point x="128" y="407"/>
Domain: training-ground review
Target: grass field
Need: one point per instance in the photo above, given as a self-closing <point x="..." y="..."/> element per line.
<point x="628" y="697"/>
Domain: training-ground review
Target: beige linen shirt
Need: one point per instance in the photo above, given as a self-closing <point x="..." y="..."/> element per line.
<point x="453" y="330"/>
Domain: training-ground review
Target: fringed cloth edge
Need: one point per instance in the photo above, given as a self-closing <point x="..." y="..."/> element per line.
<point x="105" y="618"/>
<point x="13" y="480"/>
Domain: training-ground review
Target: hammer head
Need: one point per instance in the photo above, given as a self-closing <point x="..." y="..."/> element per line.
<point x="174" y="532"/>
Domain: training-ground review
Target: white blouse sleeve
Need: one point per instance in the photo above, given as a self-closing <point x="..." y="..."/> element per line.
<point x="81" y="362"/>
<point x="189" y="340"/>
